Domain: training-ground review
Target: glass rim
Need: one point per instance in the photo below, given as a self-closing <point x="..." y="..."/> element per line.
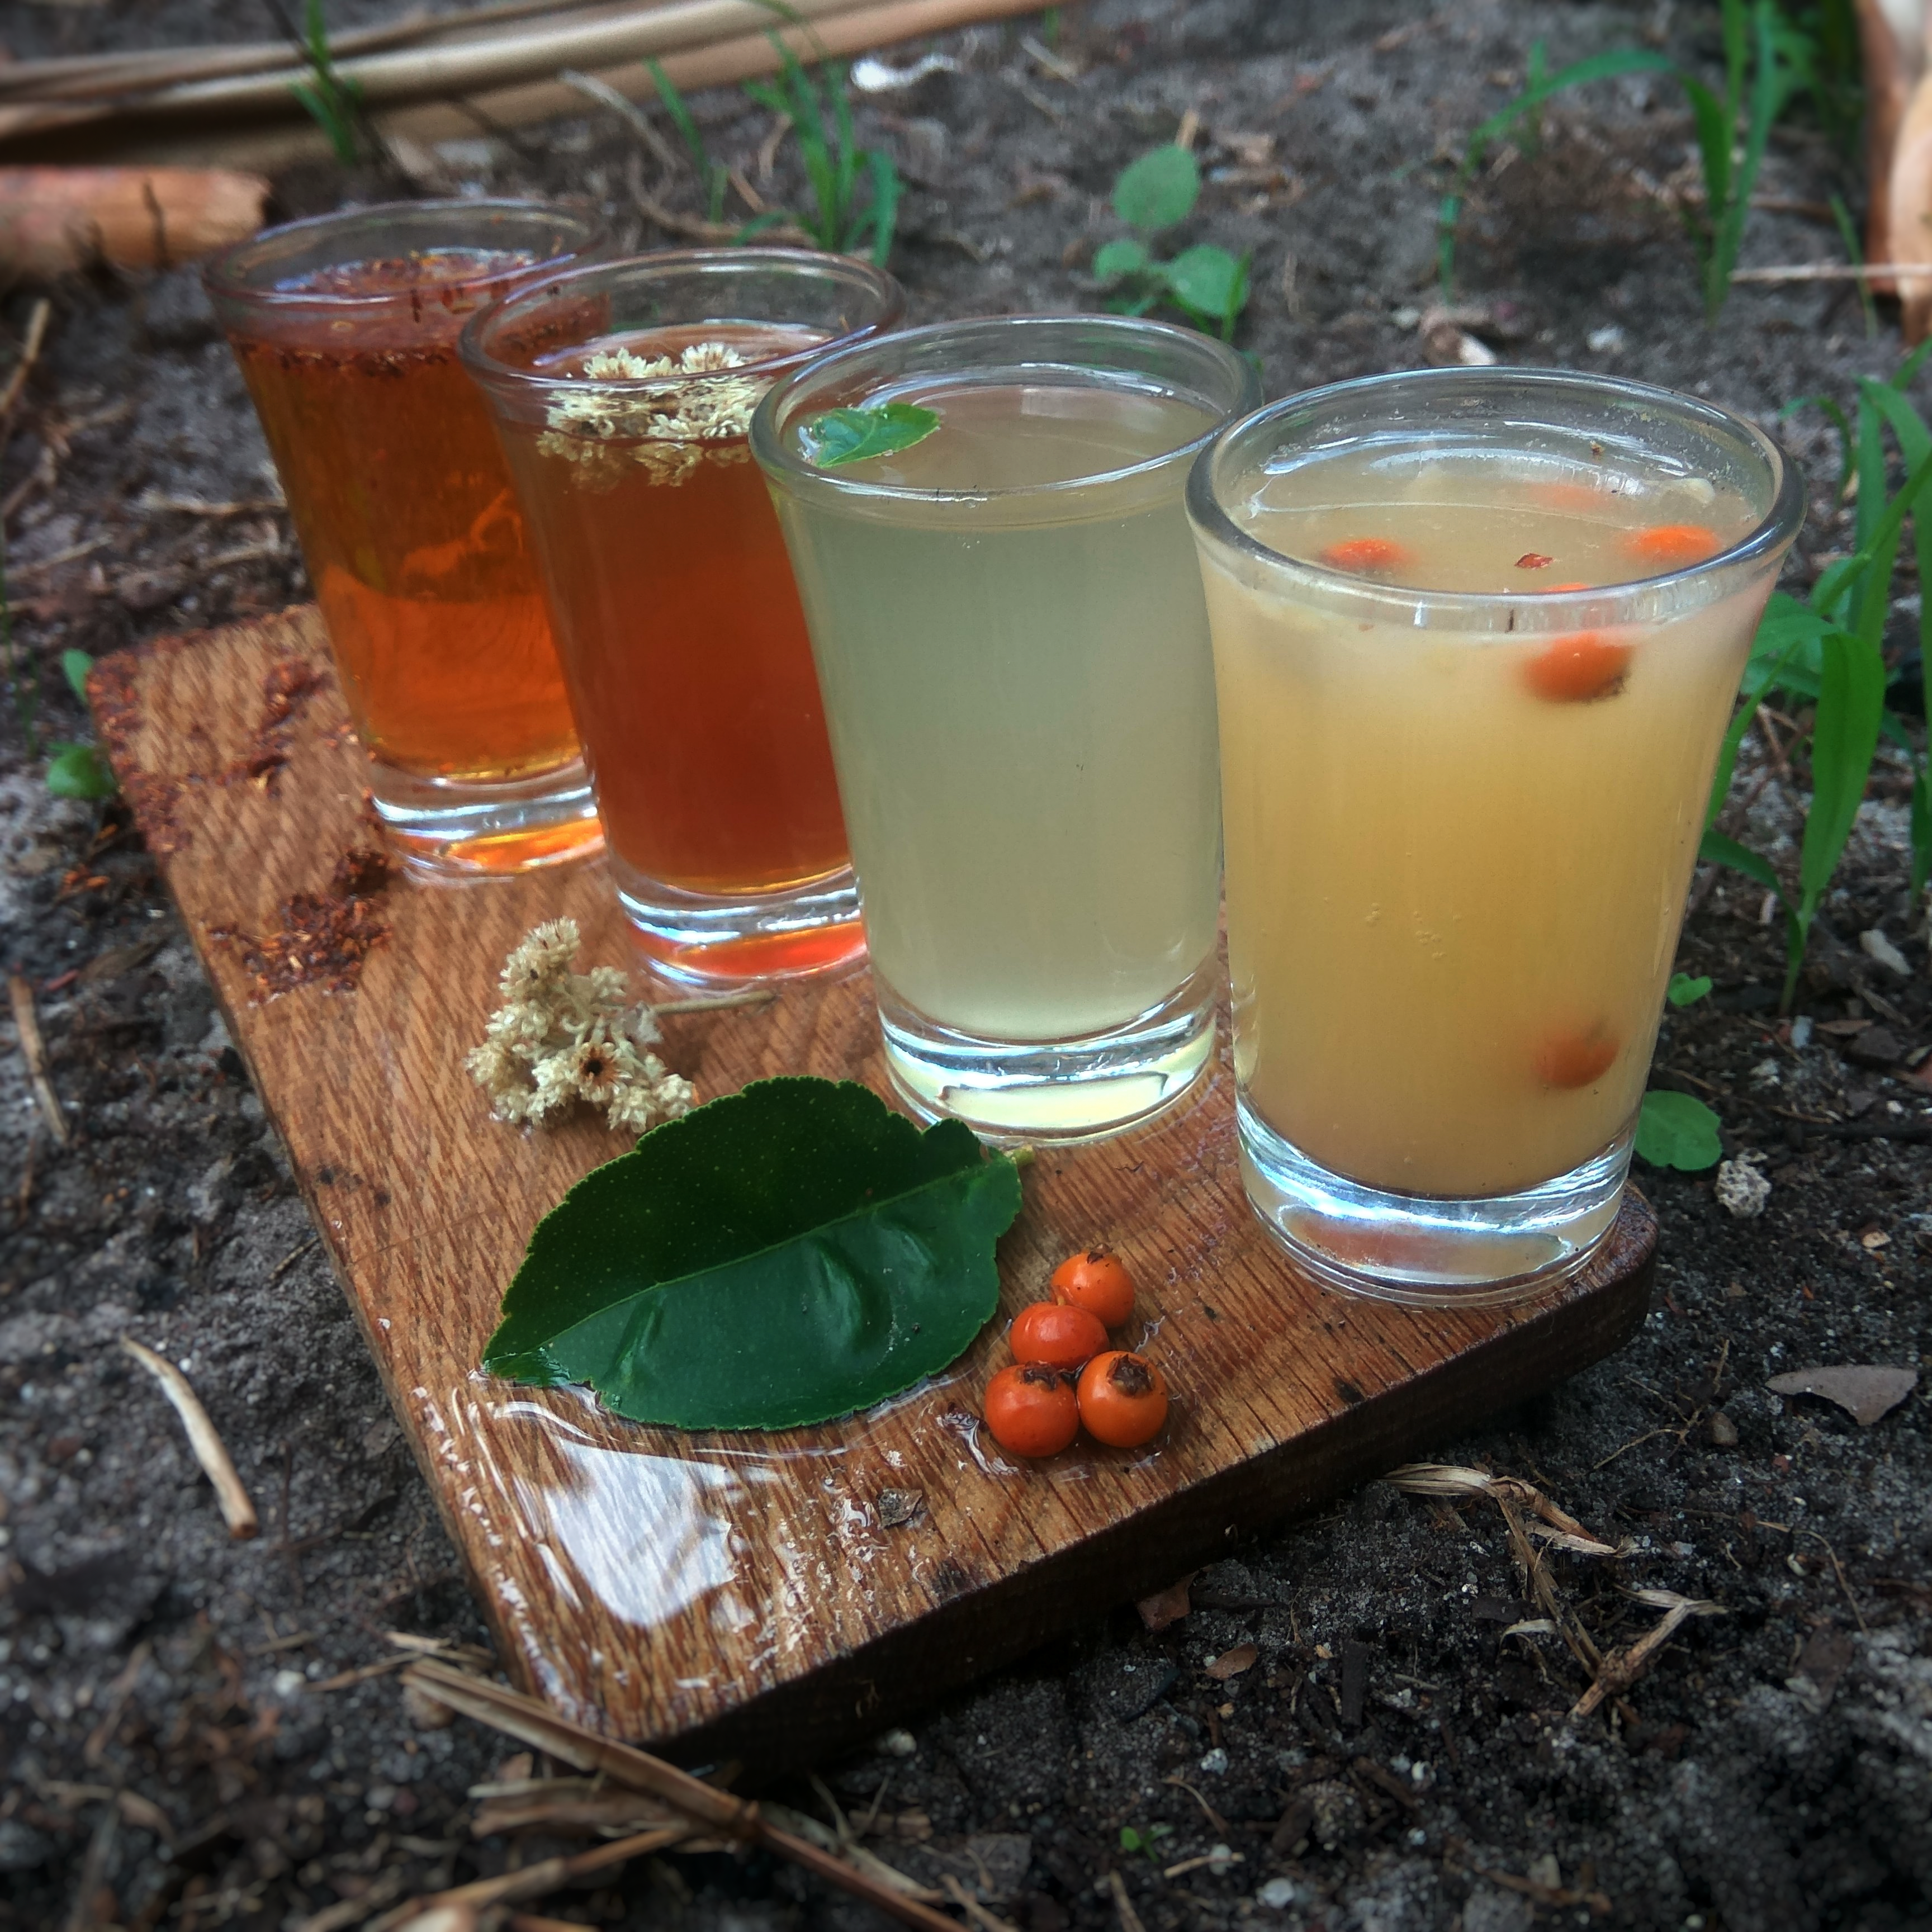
<point x="788" y="467"/>
<point x="1767" y="539"/>
<point x="487" y="368"/>
<point x="223" y="275"/>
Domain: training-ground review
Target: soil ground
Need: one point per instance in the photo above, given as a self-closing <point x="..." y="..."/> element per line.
<point x="1398" y="1754"/>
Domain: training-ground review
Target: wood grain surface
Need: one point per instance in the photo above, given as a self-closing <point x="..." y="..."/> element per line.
<point x="750" y="1594"/>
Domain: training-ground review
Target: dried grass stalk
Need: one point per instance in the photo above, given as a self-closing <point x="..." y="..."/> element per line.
<point x="209" y="1451"/>
<point x="26" y="1021"/>
<point x="1622" y="1668"/>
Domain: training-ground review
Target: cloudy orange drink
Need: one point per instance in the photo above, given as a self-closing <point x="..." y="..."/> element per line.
<point x="1471" y="679"/>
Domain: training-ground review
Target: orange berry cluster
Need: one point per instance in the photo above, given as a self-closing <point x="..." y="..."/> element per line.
<point x="1063" y="1374"/>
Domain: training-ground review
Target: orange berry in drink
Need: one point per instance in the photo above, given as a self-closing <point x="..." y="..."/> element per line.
<point x="1671" y="546"/>
<point x="1366" y="556"/>
<point x="1576" y="669"/>
<point x="1576" y="1058"/>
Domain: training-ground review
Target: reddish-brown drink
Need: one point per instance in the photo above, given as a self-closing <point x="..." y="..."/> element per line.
<point x="415" y="543"/>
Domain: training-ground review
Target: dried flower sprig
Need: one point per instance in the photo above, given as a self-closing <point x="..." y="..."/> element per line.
<point x="561" y="1036"/>
<point x="693" y="401"/>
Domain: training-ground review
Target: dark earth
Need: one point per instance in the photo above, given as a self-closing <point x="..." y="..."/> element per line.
<point x="186" y="1742"/>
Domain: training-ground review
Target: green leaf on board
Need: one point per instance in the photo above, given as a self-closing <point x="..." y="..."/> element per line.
<point x="79" y="771"/>
<point x="850" y="435"/>
<point x="1674" y="1130"/>
<point x="1114" y="260"/>
<point x="1684" y="991"/>
<point x="74" y="666"/>
<point x="1158" y="189"/>
<point x="789" y="1253"/>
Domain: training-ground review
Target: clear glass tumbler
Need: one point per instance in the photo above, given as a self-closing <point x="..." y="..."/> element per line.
<point x="1476" y="635"/>
<point x="345" y="329"/>
<point x="623" y="393"/>
<point x="1011" y="641"/>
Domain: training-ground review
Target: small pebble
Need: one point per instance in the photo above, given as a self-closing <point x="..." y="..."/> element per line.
<point x="1278" y="1894"/>
<point x="897" y="1743"/>
<point x="1741" y="1190"/>
<point x="1215" y="1763"/>
<point x="1724" y="1430"/>
<point x="1607" y="340"/>
<point x="1874" y="945"/>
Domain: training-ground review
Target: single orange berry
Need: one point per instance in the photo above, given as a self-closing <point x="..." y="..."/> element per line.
<point x="1060" y="1336"/>
<point x="1365" y="555"/>
<point x="1671" y="546"/>
<point x="1122" y="1399"/>
<point x="1578" y="1059"/>
<point x="1097" y="1279"/>
<point x="1032" y="1409"/>
<point x="1578" y="668"/>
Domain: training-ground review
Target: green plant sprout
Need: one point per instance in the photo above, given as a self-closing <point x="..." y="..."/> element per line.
<point x="76" y="770"/>
<point x="1208" y="285"/>
<point x="334" y="99"/>
<point x="1827" y="651"/>
<point x="1675" y="1130"/>
<point x="1684" y="991"/>
<point x="712" y="172"/>
<point x="1146" y="1842"/>
<point x="855" y="190"/>
<point x="1760" y="81"/>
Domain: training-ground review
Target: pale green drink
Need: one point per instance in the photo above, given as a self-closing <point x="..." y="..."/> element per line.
<point x="1012" y="648"/>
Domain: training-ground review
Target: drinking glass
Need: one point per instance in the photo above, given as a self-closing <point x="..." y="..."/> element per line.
<point x="1008" y="623"/>
<point x="1476" y="635"/>
<point x="623" y="393"/>
<point x="345" y="328"/>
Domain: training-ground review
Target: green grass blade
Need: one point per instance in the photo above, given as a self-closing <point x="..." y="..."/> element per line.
<point x="1765" y="96"/>
<point x="1714" y="127"/>
<point x="883" y="214"/>
<point x="1844" y="736"/>
<point x="1718" y="850"/>
<point x="1848" y="233"/>
<point x="1736" y="27"/>
<point x="688" y="131"/>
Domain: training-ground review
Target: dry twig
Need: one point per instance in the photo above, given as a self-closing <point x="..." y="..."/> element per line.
<point x="547" y="1875"/>
<point x="30" y="354"/>
<point x="237" y="1511"/>
<point x="34" y="1051"/>
<point x="535" y="1723"/>
<point x="1622" y="1668"/>
<point x="1130" y="1919"/>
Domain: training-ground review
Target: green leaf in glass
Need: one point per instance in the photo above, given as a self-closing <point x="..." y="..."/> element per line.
<point x="1158" y="189"/>
<point x="850" y="435"/>
<point x="1674" y="1130"/>
<point x="789" y="1253"/>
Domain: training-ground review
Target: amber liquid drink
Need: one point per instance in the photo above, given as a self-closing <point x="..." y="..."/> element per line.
<point x="1476" y="640"/>
<point x="1010" y="637"/>
<point x="346" y="332"/>
<point x="623" y="395"/>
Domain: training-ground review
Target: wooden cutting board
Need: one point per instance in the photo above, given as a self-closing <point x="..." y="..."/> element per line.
<point x="765" y="1597"/>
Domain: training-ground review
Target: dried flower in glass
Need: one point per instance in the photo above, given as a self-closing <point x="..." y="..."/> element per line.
<point x="561" y="1036"/>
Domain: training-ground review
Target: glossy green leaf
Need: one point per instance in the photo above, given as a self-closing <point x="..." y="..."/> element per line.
<point x="851" y="435"/>
<point x="1684" y="991"/>
<point x="1158" y="189"/>
<point x="79" y="771"/>
<point x="1114" y="260"/>
<point x="787" y="1254"/>
<point x="1674" y="1130"/>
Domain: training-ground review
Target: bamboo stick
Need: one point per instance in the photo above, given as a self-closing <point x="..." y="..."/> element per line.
<point x="290" y="137"/>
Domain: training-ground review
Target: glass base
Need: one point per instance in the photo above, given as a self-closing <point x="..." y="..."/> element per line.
<point x="1068" y="1090"/>
<point x="697" y="940"/>
<point x="450" y="829"/>
<point x="1428" y="1250"/>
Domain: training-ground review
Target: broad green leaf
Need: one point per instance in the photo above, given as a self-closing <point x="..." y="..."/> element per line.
<point x="79" y="771"/>
<point x="1114" y="259"/>
<point x="1209" y="280"/>
<point x="787" y="1254"/>
<point x="1684" y="991"/>
<point x="850" y="435"/>
<point x="1718" y="850"/>
<point x="1158" y="189"/>
<point x="1674" y="1130"/>
<point x="1844" y="735"/>
<point x="74" y="666"/>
